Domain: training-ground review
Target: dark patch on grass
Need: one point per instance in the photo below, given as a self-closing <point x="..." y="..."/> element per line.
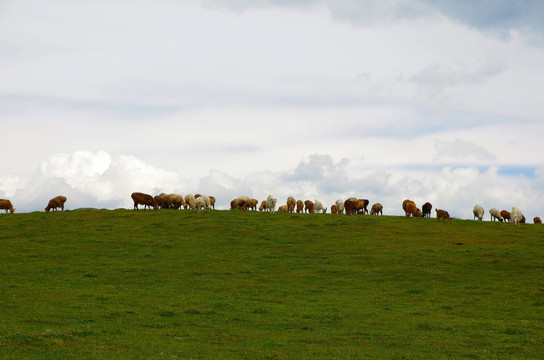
<point x="414" y="291"/>
<point x="167" y="313"/>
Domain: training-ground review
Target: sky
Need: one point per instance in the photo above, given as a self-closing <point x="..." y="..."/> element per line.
<point x="437" y="101"/>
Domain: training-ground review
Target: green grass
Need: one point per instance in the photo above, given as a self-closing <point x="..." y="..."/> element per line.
<point x="249" y="285"/>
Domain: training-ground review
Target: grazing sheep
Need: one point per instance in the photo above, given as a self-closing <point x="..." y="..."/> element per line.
<point x="409" y="207"/>
<point x="241" y="202"/>
<point x="478" y="212"/>
<point x="291" y="202"/>
<point x="309" y="207"/>
<point x="252" y="204"/>
<point x="334" y="209"/>
<point x="319" y="207"/>
<point x="207" y="202"/>
<point x="6" y="205"/>
<point x="417" y="213"/>
<point x="537" y="220"/>
<point x="505" y="215"/>
<point x="159" y="201"/>
<point x="495" y="214"/>
<point x="177" y="201"/>
<point x="442" y="214"/>
<point x="300" y="206"/>
<point x="58" y="202"/>
<point x="139" y="199"/>
<point x="233" y="204"/>
<point x="362" y="206"/>
<point x="263" y="205"/>
<point x="190" y="201"/>
<point x="350" y="206"/>
<point x="283" y="208"/>
<point x="426" y="208"/>
<point x="516" y="216"/>
<point x="271" y="203"/>
<point x="377" y="209"/>
<point x="167" y="200"/>
<point x="340" y="206"/>
<point x="200" y="203"/>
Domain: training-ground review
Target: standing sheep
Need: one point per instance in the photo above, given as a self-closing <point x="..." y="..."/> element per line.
<point x="190" y="201"/>
<point x="505" y="215"/>
<point x="319" y="207"/>
<point x="478" y="212"/>
<point x="409" y="207"/>
<point x="516" y="216"/>
<point x="377" y="209"/>
<point x="426" y="208"/>
<point x="300" y="206"/>
<point x="537" y="220"/>
<point x="340" y="206"/>
<point x="291" y="202"/>
<point x="334" y="209"/>
<point x="442" y="214"/>
<point x="271" y="203"/>
<point x="140" y="199"/>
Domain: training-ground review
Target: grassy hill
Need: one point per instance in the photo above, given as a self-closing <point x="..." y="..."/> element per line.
<point x="231" y="284"/>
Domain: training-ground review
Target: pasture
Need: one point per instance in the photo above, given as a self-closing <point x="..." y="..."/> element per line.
<point x="172" y="284"/>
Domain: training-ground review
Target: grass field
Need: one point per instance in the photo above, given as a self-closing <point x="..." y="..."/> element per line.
<point x="248" y="285"/>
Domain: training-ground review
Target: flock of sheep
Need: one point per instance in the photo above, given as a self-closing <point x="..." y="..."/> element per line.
<point x="350" y="206"/>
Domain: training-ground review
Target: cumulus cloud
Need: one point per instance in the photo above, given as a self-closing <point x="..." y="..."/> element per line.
<point x="97" y="179"/>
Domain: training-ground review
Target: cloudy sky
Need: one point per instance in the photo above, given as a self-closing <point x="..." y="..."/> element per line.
<point x="436" y="101"/>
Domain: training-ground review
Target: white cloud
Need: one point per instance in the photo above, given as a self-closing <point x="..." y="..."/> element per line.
<point x="461" y="149"/>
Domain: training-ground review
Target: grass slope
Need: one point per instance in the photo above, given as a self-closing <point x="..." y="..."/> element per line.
<point x="231" y="284"/>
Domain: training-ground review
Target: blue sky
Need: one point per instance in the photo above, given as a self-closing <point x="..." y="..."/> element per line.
<point x="430" y="100"/>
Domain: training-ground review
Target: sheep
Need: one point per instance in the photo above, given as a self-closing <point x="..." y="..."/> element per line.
<point x="200" y="203"/>
<point x="252" y="204"/>
<point x="291" y="202"/>
<point x="6" y="205"/>
<point x="309" y="207"/>
<point x="319" y="207"/>
<point x="442" y="214"/>
<point x="263" y="205"/>
<point x="207" y="202"/>
<point x="212" y="202"/>
<point x="300" y="206"/>
<point x="58" y="202"/>
<point x="350" y="206"/>
<point x="283" y="208"/>
<point x="177" y="201"/>
<point x="233" y="204"/>
<point x="271" y="203"/>
<point x="334" y="209"/>
<point x="495" y="214"/>
<point x="478" y="212"/>
<point x="190" y="201"/>
<point x="362" y="206"/>
<point x="426" y="208"/>
<point x="340" y="206"/>
<point x="139" y="199"/>
<point x="505" y="215"/>
<point x="377" y="209"/>
<point x="409" y="207"/>
<point x="417" y="213"/>
<point x="167" y="200"/>
<point x="516" y="216"/>
<point x="537" y="220"/>
<point x="241" y="202"/>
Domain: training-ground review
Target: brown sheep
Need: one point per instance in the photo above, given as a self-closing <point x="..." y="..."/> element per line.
<point x="291" y="202"/>
<point x="56" y="202"/>
<point x="427" y="207"/>
<point x="262" y="206"/>
<point x="350" y="206"/>
<point x="252" y="204"/>
<point x="6" y="205"/>
<point x="409" y="207"/>
<point x="212" y="202"/>
<point x="283" y="208"/>
<point x="143" y="199"/>
<point x="417" y="213"/>
<point x="233" y="204"/>
<point x="505" y="215"/>
<point x="536" y="220"/>
<point x="160" y="203"/>
<point x="241" y="202"/>
<point x="334" y="209"/>
<point x="309" y="206"/>
<point x="377" y="209"/>
<point x="300" y="206"/>
<point x="177" y="201"/>
<point x="442" y="214"/>
<point x="362" y="206"/>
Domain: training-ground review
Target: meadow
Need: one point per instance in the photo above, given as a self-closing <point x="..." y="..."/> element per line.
<point x="167" y="284"/>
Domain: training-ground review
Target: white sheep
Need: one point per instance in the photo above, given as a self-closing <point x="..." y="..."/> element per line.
<point x="271" y="203"/>
<point x="478" y="212"/>
<point x="207" y="201"/>
<point x="200" y="203"/>
<point x="340" y="206"/>
<point x="495" y="214"/>
<point x="319" y="207"/>
<point x="515" y="216"/>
